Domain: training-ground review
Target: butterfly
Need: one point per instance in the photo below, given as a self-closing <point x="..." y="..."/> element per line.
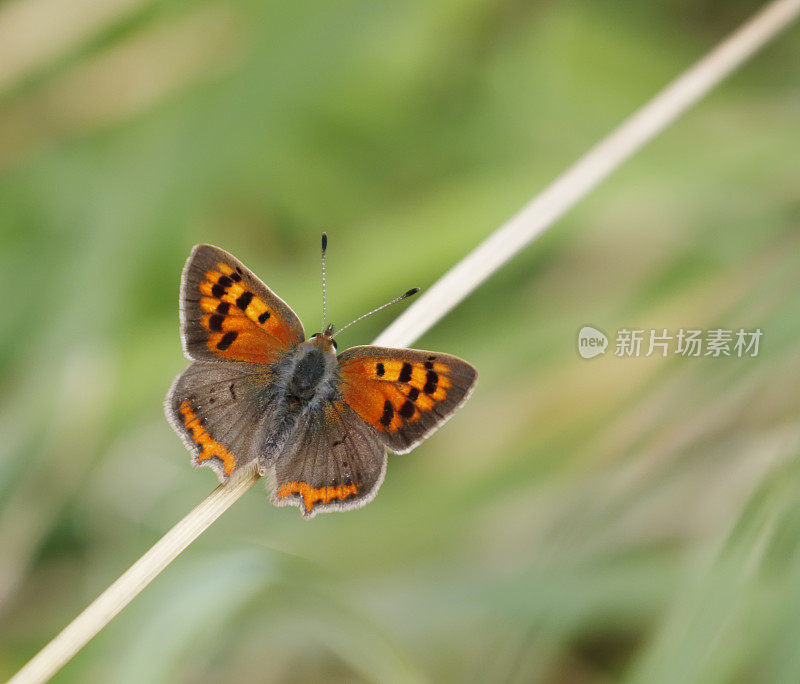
<point x="259" y="395"/>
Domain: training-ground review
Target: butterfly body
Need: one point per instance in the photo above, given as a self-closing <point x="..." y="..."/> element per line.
<point x="258" y="395"/>
<point x="304" y="381"/>
<point x="309" y="375"/>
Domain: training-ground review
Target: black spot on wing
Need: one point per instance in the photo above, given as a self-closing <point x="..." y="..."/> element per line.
<point x="388" y="413"/>
<point x="263" y="317"/>
<point x="244" y="300"/>
<point x="227" y="340"/>
<point x="407" y="410"/>
<point x="431" y="381"/>
<point x="405" y="372"/>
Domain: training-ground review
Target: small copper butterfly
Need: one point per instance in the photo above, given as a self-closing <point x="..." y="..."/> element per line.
<point x="258" y="394"/>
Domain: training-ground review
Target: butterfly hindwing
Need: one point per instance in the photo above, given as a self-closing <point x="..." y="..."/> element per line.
<point x="228" y="313"/>
<point x="338" y="463"/>
<point x="220" y="411"/>
<point x="404" y="394"/>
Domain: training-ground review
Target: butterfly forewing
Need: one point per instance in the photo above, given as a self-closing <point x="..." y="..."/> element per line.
<point x="338" y="463"/>
<point x="228" y="313"/>
<point x="404" y="394"/>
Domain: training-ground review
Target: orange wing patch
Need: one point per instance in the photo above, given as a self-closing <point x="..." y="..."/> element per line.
<point x="208" y="447"/>
<point x="311" y="495"/>
<point x="237" y="319"/>
<point x="389" y="393"/>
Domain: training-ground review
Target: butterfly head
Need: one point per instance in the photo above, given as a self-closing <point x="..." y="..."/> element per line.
<point x="324" y="340"/>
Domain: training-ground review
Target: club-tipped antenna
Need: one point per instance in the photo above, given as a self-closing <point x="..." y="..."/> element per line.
<point x="403" y="296"/>
<point x="324" y="298"/>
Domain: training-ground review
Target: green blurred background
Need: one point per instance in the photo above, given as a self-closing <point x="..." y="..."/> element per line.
<point x="578" y="521"/>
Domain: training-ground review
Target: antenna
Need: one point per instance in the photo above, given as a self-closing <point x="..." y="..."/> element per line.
<point x="324" y="248"/>
<point x="403" y="296"/>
